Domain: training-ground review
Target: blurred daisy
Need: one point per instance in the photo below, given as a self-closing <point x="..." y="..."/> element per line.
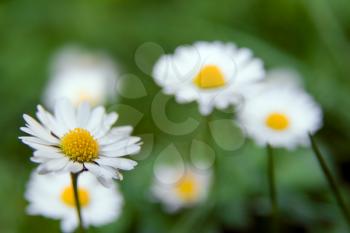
<point x="80" y="76"/>
<point x="278" y="77"/>
<point x="281" y="116"/>
<point x="189" y="189"/>
<point x="52" y="196"/>
<point x="214" y="74"/>
<point x="76" y="139"/>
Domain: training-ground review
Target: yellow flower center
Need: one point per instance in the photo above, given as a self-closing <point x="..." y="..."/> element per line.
<point x="187" y="188"/>
<point x="277" y="121"/>
<point x="79" y="145"/>
<point x="67" y="196"/>
<point x="209" y="77"/>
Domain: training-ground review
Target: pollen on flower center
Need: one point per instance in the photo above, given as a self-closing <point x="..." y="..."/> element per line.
<point x="187" y="188"/>
<point x="67" y="196"/>
<point x="277" y="121"/>
<point x="209" y="76"/>
<point x="79" y="145"/>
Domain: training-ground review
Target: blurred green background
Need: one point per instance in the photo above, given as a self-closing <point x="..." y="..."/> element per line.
<point x="310" y="36"/>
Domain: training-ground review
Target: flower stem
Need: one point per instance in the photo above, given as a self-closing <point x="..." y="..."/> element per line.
<point x="331" y="181"/>
<point x="74" y="177"/>
<point x="272" y="189"/>
<point x="208" y="139"/>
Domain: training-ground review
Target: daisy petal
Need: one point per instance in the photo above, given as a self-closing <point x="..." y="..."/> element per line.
<point x="49" y="121"/>
<point x="73" y="167"/>
<point x="96" y="119"/>
<point x="118" y="163"/>
<point x="121" y="144"/>
<point x="53" y="165"/>
<point x="38" y="130"/>
<point x="129" y="150"/>
<point x="65" y="113"/>
<point x="83" y="114"/>
<point x="102" y="175"/>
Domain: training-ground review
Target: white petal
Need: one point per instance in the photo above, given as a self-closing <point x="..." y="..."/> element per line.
<point x="35" y="140"/>
<point x="83" y="114"/>
<point x="121" y="144"/>
<point x="73" y="167"/>
<point x="65" y="113"/>
<point x="53" y="165"/>
<point x="105" y="181"/>
<point x="39" y="159"/>
<point x="102" y="175"/>
<point x="49" y="121"/>
<point x="118" y="163"/>
<point x="116" y="134"/>
<point x="128" y="150"/>
<point x="108" y="121"/>
<point x="96" y="119"/>
<point x="38" y="130"/>
<point x="68" y="225"/>
<point x="41" y="146"/>
<point x="122" y="130"/>
<point x="45" y="154"/>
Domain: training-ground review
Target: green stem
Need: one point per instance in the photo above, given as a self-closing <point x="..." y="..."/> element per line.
<point x="272" y="189"/>
<point x="331" y="181"/>
<point x="74" y="177"/>
<point x="210" y="142"/>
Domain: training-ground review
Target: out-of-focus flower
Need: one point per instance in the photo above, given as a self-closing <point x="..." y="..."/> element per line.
<point x="80" y="75"/>
<point x="191" y="188"/>
<point x="76" y="139"/>
<point x="214" y="74"/>
<point x="280" y="115"/>
<point x="52" y="196"/>
<point x="277" y="77"/>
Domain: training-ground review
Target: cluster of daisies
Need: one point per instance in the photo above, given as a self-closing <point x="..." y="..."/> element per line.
<point x="79" y="137"/>
<point x="272" y="107"/>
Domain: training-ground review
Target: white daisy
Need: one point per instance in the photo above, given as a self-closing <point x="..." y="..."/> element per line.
<point x="80" y="75"/>
<point x="214" y="74"/>
<point x="76" y="139"/>
<point x="277" y="77"/>
<point x="281" y="116"/>
<point x="192" y="187"/>
<point x="52" y="196"/>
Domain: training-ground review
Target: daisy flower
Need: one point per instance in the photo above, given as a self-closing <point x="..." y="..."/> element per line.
<point x="80" y="139"/>
<point x="52" y="196"/>
<point x="191" y="188"/>
<point x="214" y="74"/>
<point x="80" y="76"/>
<point x="277" y="77"/>
<point x="281" y="116"/>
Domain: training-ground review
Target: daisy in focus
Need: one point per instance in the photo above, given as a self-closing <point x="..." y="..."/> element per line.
<point x="281" y="116"/>
<point x="190" y="189"/>
<point x="80" y="76"/>
<point x="52" y="196"/>
<point x="80" y="139"/>
<point x="214" y="74"/>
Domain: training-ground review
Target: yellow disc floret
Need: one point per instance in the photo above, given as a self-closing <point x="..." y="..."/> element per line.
<point x="79" y="145"/>
<point x="277" y="121"/>
<point x="67" y="196"/>
<point x="187" y="188"/>
<point x="209" y="76"/>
